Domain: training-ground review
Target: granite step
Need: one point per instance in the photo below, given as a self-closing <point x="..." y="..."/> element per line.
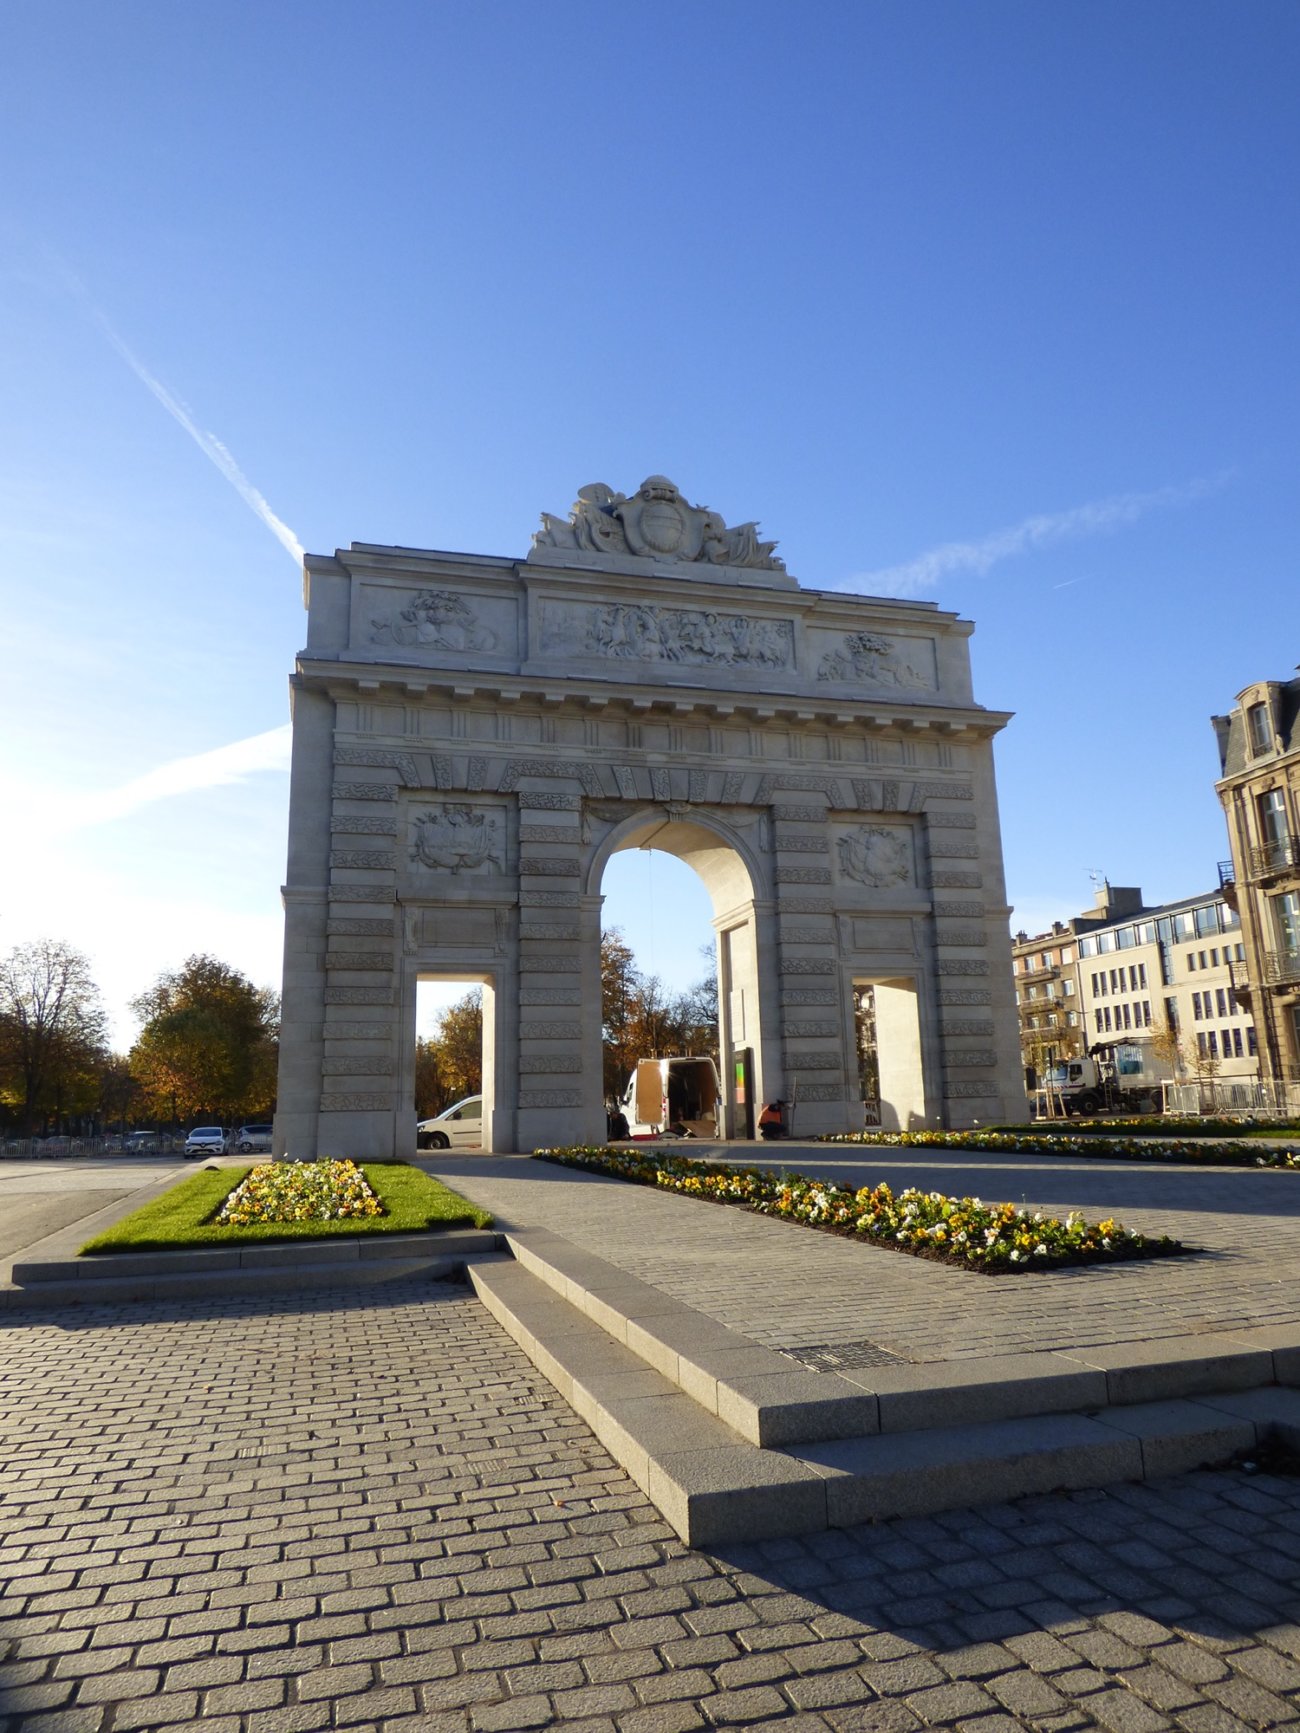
<point x="772" y="1402"/>
<point x="716" y="1485"/>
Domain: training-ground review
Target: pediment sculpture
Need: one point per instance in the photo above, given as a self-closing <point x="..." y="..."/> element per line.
<point x="656" y="523"/>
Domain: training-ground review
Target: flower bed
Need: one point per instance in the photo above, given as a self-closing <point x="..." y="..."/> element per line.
<point x="300" y="1191"/>
<point x="1187" y="1150"/>
<point x="997" y="1239"/>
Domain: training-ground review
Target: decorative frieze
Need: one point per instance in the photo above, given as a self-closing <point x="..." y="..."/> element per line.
<point x="732" y="783"/>
<point x="955" y="881"/>
<point x="799" y="814"/>
<point x="814" y="1061"/>
<point x="364" y="791"/>
<point x="359" y="1031"/>
<point x="961" y="966"/>
<point x="550" y="1098"/>
<point x="377" y="1066"/>
<point x="958" y="911"/>
<point x="384" y="825"/>
<point x="943" y="818"/>
<point x="788" y="875"/>
<point x="807" y="995"/>
<point x="983" y="1057"/>
<point x="942" y="848"/>
<point x="805" y="936"/>
<point x="964" y="996"/>
<point x="821" y="1092"/>
<point x="570" y="769"/>
<point x="807" y="965"/>
<point x="970" y="1088"/>
<point x="685" y="637"/>
<point x="360" y="929"/>
<point x="555" y="993"/>
<point x="358" y="995"/>
<point x="379" y="758"/>
<point x="660" y="784"/>
<point x="953" y="1026"/>
<point x="358" y="960"/>
<point x="331" y="1102"/>
<point x="376" y="859"/>
<point x="532" y="964"/>
<point x="549" y="1064"/>
<point x="548" y="833"/>
<point x="363" y="894"/>
<point x="532" y="899"/>
<point x="550" y="930"/>
<point x="543" y="800"/>
<point x="945" y="933"/>
<point x="945" y="790"/>
<point x="797" y="782"/>
<point x="802" y="844"/>
<point x="536" y="866"/>
<point x="825" y="1030"/>
<point x="807" y="906"/>
<point x="550" y="1031"/>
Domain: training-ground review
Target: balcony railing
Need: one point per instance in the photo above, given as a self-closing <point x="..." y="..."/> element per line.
<point x="1041" y="972"/>
<point x="1281" y="967"/>
<point x="1227" y="875"/>
<point x="1274" y="857"/>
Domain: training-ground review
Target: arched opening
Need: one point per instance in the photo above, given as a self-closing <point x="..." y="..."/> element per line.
<point x="728" y="880"/>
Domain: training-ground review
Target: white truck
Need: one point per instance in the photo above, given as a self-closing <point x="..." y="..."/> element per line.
<point x="681" y="1096"/>
<point x="1115" y="1076"/>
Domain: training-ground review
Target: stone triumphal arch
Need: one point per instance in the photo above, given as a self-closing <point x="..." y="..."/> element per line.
<point x="474" y="737"/>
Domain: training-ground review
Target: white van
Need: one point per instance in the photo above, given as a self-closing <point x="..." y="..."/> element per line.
<point x="681" y="1096"/>
<point x="457" y="1127"/>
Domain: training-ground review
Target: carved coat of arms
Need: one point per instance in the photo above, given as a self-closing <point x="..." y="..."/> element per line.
<point x="455" y="839"/>
<point x="875" y="856"/>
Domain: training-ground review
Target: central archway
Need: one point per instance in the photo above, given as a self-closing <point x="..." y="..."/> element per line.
<point x="731" y="871"/>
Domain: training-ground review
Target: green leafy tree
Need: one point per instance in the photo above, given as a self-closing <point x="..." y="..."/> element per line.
<point x="208" y="1045"/>
<point x="52" y="1028"/>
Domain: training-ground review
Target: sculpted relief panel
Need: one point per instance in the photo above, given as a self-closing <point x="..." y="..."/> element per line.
<point x="868" y="659"/>
<point x="456" y="837"/>
<point x="694" y="637"/>
<point x="432" y="620"/>
<point x="876" y="855"/>
<point x="655" y="523"/>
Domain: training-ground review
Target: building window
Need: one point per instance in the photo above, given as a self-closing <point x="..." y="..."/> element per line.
<point x="1171" y="1015"/>
<point x="1236" y="1041"/>
<point x="1214" y="959"/>
<point x="1221" y="1001"/>
<point x="1196" y="1006"/>
<point x="1286" y="915"/>
<point x="1191" y="962"/>
<point x="1142" y="976"/>
<point x="1106" y="1014"/>
<point x="1097" y="1015"/>
<point x="1273" y="829"/>
<point x="1201" y="1047"/>
<point x="1252" y="1045"/>
<point x="1072" y="1019"/>
<point x="1067" y="987"/>
<point x="1146" y="1013"/>
<point x="1213" y="1041"/>
<point x="1261" y="734"/>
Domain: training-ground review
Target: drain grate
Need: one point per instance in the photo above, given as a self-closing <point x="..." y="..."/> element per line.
<point x="839" y="1356"/>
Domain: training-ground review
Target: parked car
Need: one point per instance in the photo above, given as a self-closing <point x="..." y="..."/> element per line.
<point x="251" y="1140"/>
<point x="141" y="1142"/>
<point x="457" y="1127"/>
<point x="205" y="1140"/>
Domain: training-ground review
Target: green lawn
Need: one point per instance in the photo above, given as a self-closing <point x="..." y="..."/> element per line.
<point x="413" y="1202"/>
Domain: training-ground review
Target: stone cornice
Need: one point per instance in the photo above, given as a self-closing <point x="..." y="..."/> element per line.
<point x="362" y="680"/>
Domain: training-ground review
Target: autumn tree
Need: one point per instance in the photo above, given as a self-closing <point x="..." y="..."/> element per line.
<point x="52" y="1027"/>
<point x="449" y="1065"/>
<point x="208" y="1046"/>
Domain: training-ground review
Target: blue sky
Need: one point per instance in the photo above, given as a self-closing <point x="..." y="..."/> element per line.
<point x="993" y="304"/>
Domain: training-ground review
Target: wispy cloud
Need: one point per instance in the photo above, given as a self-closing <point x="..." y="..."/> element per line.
<point x="1100" y="517"/>
<point x="208" y="443"/>
<point x="66" y="812"/>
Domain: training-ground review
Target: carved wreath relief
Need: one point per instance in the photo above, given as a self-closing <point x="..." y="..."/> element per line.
<point x="875" y="856"/>
<point x="455" y="838"/>
<point x="435" y="620"/>
<point x="697" y="637"/>
<point x="871" y="659"/>
<point x="656" y="523"/>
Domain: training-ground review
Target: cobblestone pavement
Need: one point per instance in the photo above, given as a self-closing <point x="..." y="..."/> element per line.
<point x="368" y="1511"/>
<point x="788" y="1287"/>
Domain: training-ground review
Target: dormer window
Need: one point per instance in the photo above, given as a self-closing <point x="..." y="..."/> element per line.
<point x="1261" y="730"/>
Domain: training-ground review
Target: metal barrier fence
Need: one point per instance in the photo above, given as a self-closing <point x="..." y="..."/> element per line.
<point x="30" y="1148"/>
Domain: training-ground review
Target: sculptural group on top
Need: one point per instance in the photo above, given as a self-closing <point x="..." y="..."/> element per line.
<point x="655" y="523"/>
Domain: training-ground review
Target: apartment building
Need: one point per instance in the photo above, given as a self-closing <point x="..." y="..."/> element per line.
<point x="1125" y="972"/>
<point x="1259" y="787"/>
